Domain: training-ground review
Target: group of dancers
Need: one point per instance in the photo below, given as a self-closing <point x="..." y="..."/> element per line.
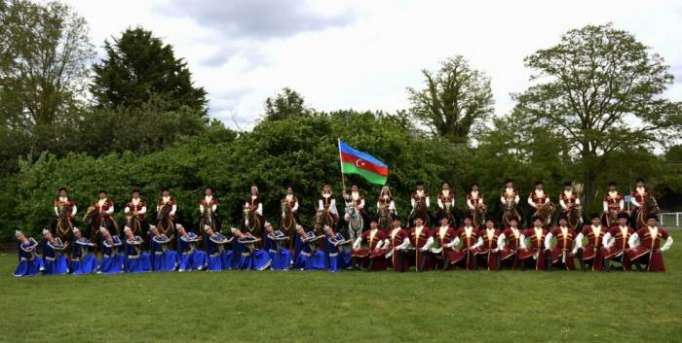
<point x="617" y="238"/>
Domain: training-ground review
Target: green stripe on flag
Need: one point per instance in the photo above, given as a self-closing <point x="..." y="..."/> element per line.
<point x="350" y="168"/>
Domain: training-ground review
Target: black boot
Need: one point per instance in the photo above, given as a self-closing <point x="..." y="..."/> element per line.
<point x="548" y="261"/>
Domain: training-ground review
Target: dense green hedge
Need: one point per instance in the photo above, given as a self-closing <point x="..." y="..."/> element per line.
<point x="301" y="152"/>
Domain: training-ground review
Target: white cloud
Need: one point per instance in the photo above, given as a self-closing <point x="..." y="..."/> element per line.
<point x="363" y="54"/>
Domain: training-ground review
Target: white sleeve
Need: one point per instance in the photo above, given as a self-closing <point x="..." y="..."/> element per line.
<point x="174" y="209"/>
<point x="606" y="240"/>
<point x="531" y="203"/>
<point x="295" y="208"/>
<point x="357" y="243"/>
<point x="606" y="206"/>
<point x="633" y="241"/>
<point x="214" y="207"/>
<point x="413" y="202"/>
<point x="440" y="203"/>
<point x="428" y="244"/>
<point x="201" y="208"/>
<point x="111" y="209"/>
<point x="332" y="207"/>
<point x="379" y="245"/>
<point x="502" y="200"/>
<point x="547" y="199"/>
<point x="562" y="203"/>
<point x="577" y="201"/>
<point x="404" y="245"/>
<point x="517" y="199"/>
<point x="74" y="210"/>
<point x="391" y="206"/>
<point x="428" y="202"/>
<point x="668" y="243"/>
<point x="501" y="241"/>
<point x="362" y="203"/>
<point x="260" y="209"/>
<point x="622" y="205"/>
<point x="579" y="240"/>
<point x="126" y="209"/>
<point x="548" y="240"/>
<point x="522" y="241"/>
<point x="479" y="243"/>
<point x="143" y="210"/>
<point x="634" y="202"/>
<point x="56" y="211"/>
<point x="320" y="205"/>
<point x="469" y="204"/>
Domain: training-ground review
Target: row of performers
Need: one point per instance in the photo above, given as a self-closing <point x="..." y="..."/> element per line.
<point x="594" y="247"/>
<point x="100" y="212"/>
<point x="188" y="252"/>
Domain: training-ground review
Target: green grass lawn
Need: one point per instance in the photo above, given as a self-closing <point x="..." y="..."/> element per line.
<point x="349" y="306"/>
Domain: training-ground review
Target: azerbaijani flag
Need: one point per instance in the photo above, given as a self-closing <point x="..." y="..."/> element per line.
<point x="361" y="163"/>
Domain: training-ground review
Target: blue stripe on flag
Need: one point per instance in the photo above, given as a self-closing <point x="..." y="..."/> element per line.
<point x="346" y="149"/>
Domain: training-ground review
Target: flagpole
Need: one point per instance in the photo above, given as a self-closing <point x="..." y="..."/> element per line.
<point x="343" y="179"/>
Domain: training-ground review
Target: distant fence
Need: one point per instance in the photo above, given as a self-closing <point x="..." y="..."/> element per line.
<point x="670" y="218"/>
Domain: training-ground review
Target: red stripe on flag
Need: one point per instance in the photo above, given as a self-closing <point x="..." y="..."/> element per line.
<point x="364" y="164"/>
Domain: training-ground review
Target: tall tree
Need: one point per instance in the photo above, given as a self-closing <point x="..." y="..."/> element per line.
<point x="45" y="53"/>
<point x="455" y="99"/>
<point x="592" y="87"/>
<point x="287" y="104"/>
<point x="139" y="67"/>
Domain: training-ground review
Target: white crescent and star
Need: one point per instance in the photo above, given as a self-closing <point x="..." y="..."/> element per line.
<point x="360" y="163"/>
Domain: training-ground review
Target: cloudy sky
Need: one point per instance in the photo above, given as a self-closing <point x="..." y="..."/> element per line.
<point x="363" y="54"/>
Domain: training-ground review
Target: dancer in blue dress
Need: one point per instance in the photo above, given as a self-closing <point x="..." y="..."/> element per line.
<point x="30" y="263"/>
<point x="310" y="255"/>
<point x="113" y="259"/>
<point x="54" y="261"/>
<point x="219" y="258"/>
<point x="191" y="257"/>
<point x="250" y="256"/>
<point x="137" y="260"/>
<point x="301" y="249"/>
<point x="164" y="259"/>
<point x="276" y="243"/>
<point x="83" y="259"/>
<point x="338" y="257"/>
<point x="319" y="260"/>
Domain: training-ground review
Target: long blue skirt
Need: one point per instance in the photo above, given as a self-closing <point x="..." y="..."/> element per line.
<point x="197" y="260"/>
<point x="112" y="264"/>
<point x="29" y="267"/>
<point x="140" y="264"/>
<point x="257" y="260"/>
<point x="166" y="261"/>
<point x="345" y="259"/>
<point x="146" y="261"/>
<point x="318" y="261"/>
<point x="227" y="259"/>
<point x="301" y="260"/>
<point x="86" y="265"/>
<point x="215" y="262"/>
<point x="56" y="266"/>
<point x="281" y="259"/>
